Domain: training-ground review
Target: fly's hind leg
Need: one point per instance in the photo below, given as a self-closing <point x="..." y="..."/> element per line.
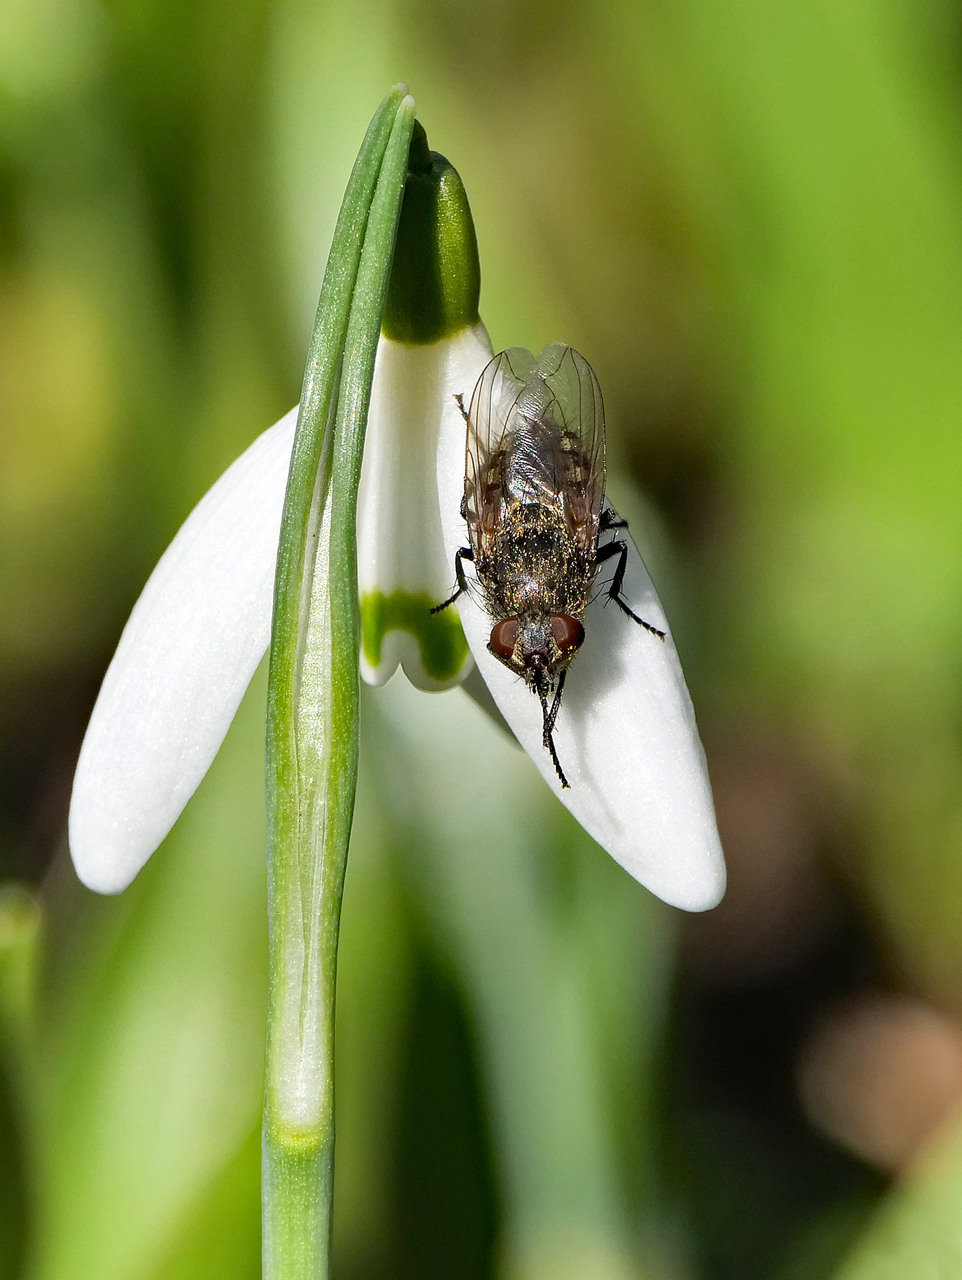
<point x="611" y="520"/>
<point x="620" y="549"/>
<point x="463" y="553"/>
<point x="460" y="399"/>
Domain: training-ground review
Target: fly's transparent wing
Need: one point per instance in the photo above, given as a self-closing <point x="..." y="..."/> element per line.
<point x="574" y="400"/>
<point x="536" y="438"/>
<point x="558" y="456"/>
<point x="490" y="425"/>
<point x="577" y="407"/>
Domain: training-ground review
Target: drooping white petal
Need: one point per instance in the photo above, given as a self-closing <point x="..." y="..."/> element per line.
<point x="403" y="568"/>
<point x="626" y="734"/>
<point x="186" y="656"/>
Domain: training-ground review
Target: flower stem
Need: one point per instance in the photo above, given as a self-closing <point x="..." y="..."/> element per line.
<point x="313" y="706"/>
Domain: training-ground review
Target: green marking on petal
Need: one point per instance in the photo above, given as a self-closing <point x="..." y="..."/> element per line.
<point x="441" y="640"/>
<point x="436" y="279"/>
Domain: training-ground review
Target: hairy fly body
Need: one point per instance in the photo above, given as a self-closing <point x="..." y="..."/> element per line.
<point x="534" y="491"/>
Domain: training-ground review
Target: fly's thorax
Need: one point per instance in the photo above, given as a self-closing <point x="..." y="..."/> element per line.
<point x="534" y="566"/>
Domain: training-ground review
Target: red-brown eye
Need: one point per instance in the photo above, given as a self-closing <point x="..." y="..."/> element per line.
<point x="568" y="632"/>
<point x="503" y="638"/>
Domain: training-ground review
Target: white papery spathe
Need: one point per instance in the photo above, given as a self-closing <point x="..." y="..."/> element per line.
<point x="400" y="544"/>
<point x="626" y="734"/>
<point x="186" y="656"/>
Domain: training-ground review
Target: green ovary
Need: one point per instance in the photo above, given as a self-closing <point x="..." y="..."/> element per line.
<point x="439" y="636"/>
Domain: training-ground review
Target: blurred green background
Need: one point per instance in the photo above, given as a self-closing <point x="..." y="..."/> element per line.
<point x="748" y="216"/>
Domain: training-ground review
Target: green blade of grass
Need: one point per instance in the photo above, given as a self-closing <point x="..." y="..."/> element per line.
<point x="313" y="706"/>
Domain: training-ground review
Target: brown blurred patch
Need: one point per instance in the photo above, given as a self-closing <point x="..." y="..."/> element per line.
<point x="672" y="459"/>
<point x="42" y="718"/>
<point x="880" y="1074"/>
<point x="775" y="820"/>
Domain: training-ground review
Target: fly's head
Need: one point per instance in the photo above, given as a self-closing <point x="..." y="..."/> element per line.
<point x="538" y="646"/>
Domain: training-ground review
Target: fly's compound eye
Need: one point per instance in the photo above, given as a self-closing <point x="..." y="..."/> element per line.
<point x="568" y="633"/>
<point x="504" y="637"/>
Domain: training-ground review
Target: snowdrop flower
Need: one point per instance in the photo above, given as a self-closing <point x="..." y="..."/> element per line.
<point x="202" y="623"/>
<point x="626" y="731"/>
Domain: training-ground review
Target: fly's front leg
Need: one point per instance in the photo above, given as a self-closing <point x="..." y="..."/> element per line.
<point x="552" y="715"/>
<point x="620" y="549"/>
<point x="463" y="553"/>
<point x="548" y="739"/>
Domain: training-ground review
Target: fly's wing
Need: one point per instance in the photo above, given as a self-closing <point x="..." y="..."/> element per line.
<point x="491" y="427"/>
<point x="559" y="444"/>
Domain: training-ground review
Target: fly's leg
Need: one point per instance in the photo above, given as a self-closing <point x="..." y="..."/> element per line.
<point x="620" y="549"/>
<point x="552" y="715"/>
<point x="611" y="520"/>
<point x="463" y="553"/>
<point x="549" y="719"/>
<point x="460" y="399"/>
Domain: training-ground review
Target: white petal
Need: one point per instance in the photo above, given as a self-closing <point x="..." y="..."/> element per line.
<point x="626" y="733"/>
<point x="187" y="653"/>
<point x="402" y="563"/>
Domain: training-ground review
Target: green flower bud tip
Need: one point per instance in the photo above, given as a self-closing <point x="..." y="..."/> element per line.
<point x="436" y="280"/>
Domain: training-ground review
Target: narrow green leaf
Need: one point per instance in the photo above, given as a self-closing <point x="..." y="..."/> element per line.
<point x="317" y="398"/>
<point x="313" y="706"/>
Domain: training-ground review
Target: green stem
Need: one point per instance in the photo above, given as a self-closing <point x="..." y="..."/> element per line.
<point x="313" y="707"/>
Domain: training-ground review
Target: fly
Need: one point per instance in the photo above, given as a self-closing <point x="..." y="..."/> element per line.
<point x="534" y="504"/>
